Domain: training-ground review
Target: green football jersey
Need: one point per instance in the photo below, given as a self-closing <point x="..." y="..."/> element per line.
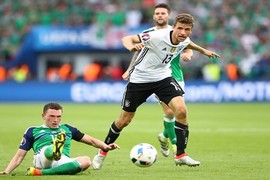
<point x="176" y="68"/>
<point x="38" y="137"/>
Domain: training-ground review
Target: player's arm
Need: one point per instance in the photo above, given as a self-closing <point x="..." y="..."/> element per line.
<point x="132" y="43"/>
<point x="84" y="138"/>
<point x="15" y="162"/>
<point x="206" y="52"/>
<point x="134" y="57"/>
<point x="98" y="143"/>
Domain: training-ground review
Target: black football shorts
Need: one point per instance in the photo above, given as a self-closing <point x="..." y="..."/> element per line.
<point x="137" y="93"/>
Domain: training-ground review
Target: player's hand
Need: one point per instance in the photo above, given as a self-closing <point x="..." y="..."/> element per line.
<point x="186" y="57"/>
<point x="137" y="47"/>
<point x="125" y="75"/>
<point x="3" y="172"/>
<point x="111" y="147"/>
<point x="211" y="54"/>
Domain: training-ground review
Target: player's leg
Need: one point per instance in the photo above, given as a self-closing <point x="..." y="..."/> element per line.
<point x="65" y="166"/>
<point x="47" y="154"/>
<point x="181" y="131"/>
<point x="131" y="100"/>
<point x="171" y="93"/>
<point x="168" y="132"/>
<point x="114" y="132"/>
<point x="44" y="158"/>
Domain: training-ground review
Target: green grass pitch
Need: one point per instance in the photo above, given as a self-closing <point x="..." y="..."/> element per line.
<point x="232" y="141"/>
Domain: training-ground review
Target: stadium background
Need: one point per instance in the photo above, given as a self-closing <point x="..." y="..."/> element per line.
<point x="64" y="50"/>
<point x="230" y="139"/>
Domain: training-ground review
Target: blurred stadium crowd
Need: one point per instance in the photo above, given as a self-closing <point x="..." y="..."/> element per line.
<point x="238" y="30"/>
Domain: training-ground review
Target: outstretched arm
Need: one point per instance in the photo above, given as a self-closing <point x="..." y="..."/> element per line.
<point x="98" y="143"/>
<point x="206" y="52"/>
<point x="15" y="162"/>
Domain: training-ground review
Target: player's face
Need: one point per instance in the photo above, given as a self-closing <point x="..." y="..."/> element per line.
<point x="52" y="118"/>
<point x="161" y="16"/>
<point x="181" y="32"/>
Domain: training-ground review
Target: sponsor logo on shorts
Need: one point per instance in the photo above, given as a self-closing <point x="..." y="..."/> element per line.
<point x="127" y="103"/>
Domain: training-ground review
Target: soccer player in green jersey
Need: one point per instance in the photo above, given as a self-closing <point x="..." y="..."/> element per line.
<point x="161" y="17"/>
<point x="51" y="143"/>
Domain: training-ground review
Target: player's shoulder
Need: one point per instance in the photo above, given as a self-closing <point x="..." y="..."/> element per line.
<point x="154" y="28"/>
<point x="151" y="29"/>
<point x="159" y="33"/>
<point x="67" y="126"/>
<point x="31" y="128"/>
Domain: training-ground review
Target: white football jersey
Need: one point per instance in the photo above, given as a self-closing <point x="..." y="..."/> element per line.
<point x="153" y="62"/>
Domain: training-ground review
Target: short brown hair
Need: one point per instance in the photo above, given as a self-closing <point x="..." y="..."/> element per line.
<point x="51" y="105"/>
<point x="184" y="18"/>
<point x="163" y="5"/>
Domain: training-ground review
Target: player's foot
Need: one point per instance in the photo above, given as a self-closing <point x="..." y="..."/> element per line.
<point x="31" y="171"/>
<point x="58" y="145"/>
<point x="99" y="159"/>
<point x="184" y="159"/>
<point x="164" y="143"/>
<point x="174" y="149"/>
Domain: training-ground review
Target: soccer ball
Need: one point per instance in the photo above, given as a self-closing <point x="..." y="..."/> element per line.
<point x="143" y="155"/>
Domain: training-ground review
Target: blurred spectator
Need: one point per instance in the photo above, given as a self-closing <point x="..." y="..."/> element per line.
<point x="262" y="68"/>
<point x="211" y="72"/>
<point x="112" y="72"/>
<point x="238" y="30"/>
<point x="2" y="74"/>
<point x="66" y="73"/>
<point x="133" y="16"/>
<point x="92" y="72"/>
<point x="21" y="73"/>
<point x="52" y="74"/>
<point x="231" y="70"/>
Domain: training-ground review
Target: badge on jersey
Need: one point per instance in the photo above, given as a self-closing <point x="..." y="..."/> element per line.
<point x="23" y="141"/>
<point x="172" y="49"/>
<point x="145" y="37"/>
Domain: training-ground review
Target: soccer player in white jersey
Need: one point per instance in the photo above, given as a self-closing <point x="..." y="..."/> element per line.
<point x="150" y="74"/>
<point x="51" y="145"/>
<point x="161" y="18"/>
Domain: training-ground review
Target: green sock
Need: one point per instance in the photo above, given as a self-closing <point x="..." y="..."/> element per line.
<point x="169" y="131"/>
<point x="64" y="169"/>
<point x="48" y="152"/>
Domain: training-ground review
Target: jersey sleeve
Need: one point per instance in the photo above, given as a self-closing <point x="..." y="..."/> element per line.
<point x="77" y="135"/>
<point x="27" y="140"/>
<point x="144" y="37"/>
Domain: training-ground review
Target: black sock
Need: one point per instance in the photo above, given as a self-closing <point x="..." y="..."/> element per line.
<point x="113" y="134"/>
<point x="181" y="132"/>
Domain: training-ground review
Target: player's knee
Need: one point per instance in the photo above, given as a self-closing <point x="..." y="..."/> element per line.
<point x="85" y="162"/>
<point x="181" y="113"/>
<point x="169" y="113"/>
